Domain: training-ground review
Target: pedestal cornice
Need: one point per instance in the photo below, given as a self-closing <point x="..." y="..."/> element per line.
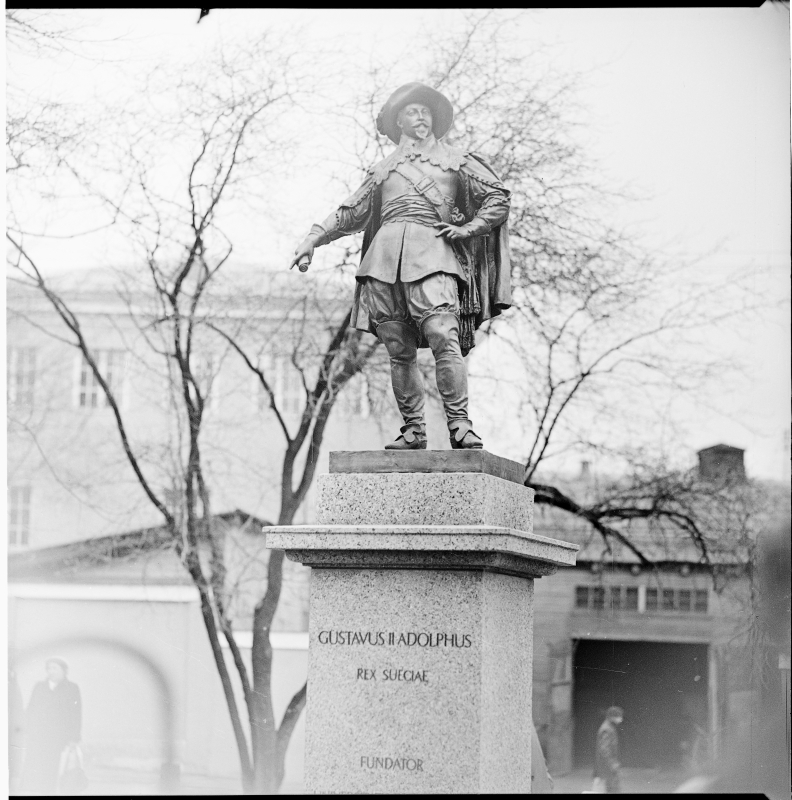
<point x="492" y="548"/>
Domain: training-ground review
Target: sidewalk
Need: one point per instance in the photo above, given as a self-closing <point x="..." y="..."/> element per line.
<point x="634" y="781"/>
<point x="118" y="781"/>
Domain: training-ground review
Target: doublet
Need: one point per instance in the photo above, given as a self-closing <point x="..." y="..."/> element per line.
<point x="406" y="246"/>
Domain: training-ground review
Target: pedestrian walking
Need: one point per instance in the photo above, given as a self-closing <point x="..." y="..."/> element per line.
<point x="606" y="764"/>
<point x="54" y="718"/>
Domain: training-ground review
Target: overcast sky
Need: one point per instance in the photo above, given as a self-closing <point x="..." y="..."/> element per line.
<point x="688" y="106"/>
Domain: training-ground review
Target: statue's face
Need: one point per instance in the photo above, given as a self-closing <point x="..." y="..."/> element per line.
<point x="415" y="120"/>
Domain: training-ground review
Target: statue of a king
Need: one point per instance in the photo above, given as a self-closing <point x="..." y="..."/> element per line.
<point x="435" y="256"/>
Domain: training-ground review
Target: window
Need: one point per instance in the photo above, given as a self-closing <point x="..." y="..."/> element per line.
<point x="20" y="375"/>
<point x="626" y="598"/>
<point x="289" y="389"/>
<point x="111" y="366"/>
<point x="682" y="600"/>
<point x="353" y="400"/>
<point x="606" y="597"/>
<point x="285" y="381"/>
<point x="19" y="516"/>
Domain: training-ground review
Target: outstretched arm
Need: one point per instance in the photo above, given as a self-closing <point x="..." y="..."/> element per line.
<point x="352" y="216"/>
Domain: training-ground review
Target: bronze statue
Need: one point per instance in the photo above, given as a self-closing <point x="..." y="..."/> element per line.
<point x="435" y="258"/>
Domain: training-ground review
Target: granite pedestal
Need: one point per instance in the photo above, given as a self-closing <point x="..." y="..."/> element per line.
<point x="421" y="623"/>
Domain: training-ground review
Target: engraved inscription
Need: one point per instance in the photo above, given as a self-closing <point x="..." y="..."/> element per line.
<point x="409" y="675"/>
<point x="408" y="639"/>
<point x="394" y="675"/>
<point x="406" y="764"/>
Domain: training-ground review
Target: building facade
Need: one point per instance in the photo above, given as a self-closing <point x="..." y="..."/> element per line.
<point x="123" y="613"/>
<point x="68" y="475"/>
<point x="661" y="642"/>
<point x="85" y="581"/>
<point x="679" y="645"/>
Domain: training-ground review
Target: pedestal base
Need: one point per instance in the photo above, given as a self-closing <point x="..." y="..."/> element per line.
<point x="420" y="681"/>
<point x="421" y="623"/>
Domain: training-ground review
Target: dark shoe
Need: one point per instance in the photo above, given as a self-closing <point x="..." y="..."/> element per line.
<point x="413" y="437"/>
<point x="463" y="437"/>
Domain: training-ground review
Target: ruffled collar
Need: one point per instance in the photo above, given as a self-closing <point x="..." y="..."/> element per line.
<point x="441" y="155"/>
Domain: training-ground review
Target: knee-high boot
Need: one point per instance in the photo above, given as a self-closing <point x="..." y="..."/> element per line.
<point x="441" y="332"/>
<point x="400" y="342"/>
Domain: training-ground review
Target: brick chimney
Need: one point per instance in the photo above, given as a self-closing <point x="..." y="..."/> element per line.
<point x="722" y="463"/>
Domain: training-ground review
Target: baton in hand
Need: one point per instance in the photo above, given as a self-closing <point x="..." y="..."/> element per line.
<point x="303" y="264"/>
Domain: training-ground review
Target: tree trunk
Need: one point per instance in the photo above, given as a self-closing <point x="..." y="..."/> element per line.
<point x="225" y="678"/>
<point x="269" y="755"/>
<point x="263" y="721"/>
<point x="287" y="726"/>
<point x="271" y="742"/>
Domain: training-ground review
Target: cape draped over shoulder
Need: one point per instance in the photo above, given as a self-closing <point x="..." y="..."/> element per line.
<point x="485" y="258"/>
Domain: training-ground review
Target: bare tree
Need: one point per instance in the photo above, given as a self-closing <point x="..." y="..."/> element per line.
<point x="604" y="329"/>
<point x="225" y="121"/>
<point x="42" y="132"/>
<point x="225" y="126"/>
<point x="40" y="31"/>
<point x="581" y="287"/>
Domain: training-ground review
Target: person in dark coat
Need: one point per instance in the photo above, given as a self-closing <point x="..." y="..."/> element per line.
<point x="54" y="718"/>
<point x="606" y="764"/>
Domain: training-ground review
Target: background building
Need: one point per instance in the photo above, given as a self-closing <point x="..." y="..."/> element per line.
<point x="124" y="614"/>
<point x="68" y="476"/>
<point x="92" y="578"/>
<point x="678" y="645"/>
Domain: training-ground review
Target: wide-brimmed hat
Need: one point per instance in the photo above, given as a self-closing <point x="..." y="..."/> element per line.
<point x="415" y="92"/>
